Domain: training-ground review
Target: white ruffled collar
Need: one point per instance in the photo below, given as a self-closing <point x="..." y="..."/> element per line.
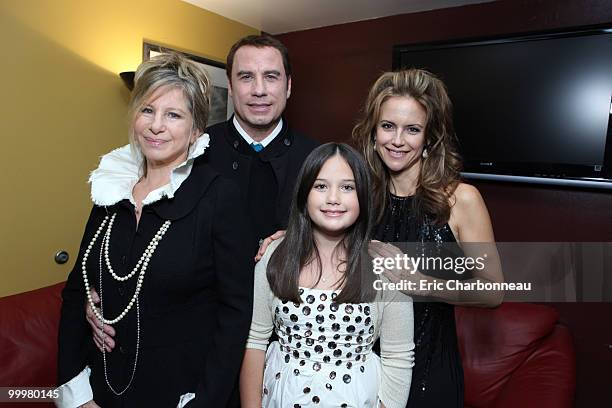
<point x="120" y="170"/>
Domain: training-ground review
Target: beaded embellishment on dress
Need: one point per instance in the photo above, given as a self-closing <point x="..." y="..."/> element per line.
<point x="435" y="337"/>
<point x="324" y="354"/>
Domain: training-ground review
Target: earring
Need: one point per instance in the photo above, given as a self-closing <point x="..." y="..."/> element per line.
<point x="425" y="154"/>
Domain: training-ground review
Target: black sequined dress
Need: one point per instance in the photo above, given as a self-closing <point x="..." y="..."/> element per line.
<point x="437" y="377"/>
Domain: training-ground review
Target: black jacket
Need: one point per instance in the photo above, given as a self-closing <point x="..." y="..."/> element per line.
<point x="195" y="303"/>
<point x="286" y="157"/>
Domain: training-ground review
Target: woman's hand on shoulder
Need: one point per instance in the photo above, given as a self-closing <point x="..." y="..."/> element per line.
<point x="408" y="276"/>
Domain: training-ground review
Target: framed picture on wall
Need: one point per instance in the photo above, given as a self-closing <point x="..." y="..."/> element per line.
<point x="221" y="107"/>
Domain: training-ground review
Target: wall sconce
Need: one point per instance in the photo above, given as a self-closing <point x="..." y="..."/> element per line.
<point x="128" y="79"/>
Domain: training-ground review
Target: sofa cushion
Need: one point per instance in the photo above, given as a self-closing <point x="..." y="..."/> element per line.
<point x="495" y="342"/>
<point x="28" y="337"/>
<point x="547" y="377"/>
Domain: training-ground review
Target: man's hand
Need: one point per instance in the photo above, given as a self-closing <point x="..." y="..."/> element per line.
<point x="266" y="242"/>
<point x="99" y="330"/>
<point x="90" y="404"/>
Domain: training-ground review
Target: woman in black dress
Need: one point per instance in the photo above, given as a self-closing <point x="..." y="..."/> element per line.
<point x="159" y="208"/>
<point x="407" y="137"/>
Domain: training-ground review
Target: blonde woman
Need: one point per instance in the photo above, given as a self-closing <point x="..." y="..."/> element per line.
<point x="166" y="247"/>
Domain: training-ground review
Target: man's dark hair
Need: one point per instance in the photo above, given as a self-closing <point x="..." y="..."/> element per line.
<point x="258" y="41"/>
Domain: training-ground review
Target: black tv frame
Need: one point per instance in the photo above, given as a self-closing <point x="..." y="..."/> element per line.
<point x="554" y="174"/>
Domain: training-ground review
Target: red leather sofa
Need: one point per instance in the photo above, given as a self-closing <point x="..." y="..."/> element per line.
<point x="28" y="340"/>
<point x="517" y="355"/>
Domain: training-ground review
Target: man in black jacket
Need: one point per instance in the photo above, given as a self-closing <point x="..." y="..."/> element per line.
<point x="256" y="148"/>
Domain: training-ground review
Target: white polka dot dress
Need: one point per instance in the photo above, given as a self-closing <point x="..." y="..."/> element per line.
<point x="323" y="357"/>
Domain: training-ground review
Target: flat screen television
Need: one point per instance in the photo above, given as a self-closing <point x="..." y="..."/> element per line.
<point x="530" y="108"/>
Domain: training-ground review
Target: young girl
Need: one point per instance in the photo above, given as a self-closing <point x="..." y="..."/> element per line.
<point x="310" y="291"/>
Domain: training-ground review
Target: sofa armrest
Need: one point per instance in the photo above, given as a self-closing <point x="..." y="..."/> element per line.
<point x="547" y="378"/>
<point x="512" y="353"/>
<point x="28" y="337"/>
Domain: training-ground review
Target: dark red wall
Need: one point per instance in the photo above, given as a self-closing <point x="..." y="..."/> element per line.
<point x="333" y="68"/>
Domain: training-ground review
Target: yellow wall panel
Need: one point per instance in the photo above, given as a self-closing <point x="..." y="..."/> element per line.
<point x="64" y="106"/>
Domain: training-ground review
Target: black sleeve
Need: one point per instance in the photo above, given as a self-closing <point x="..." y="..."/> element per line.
<point x="232" y="243"/>
<point x="75" y="339"/>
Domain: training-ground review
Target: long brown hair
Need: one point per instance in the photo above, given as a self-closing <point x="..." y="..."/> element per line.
<point x="440" y="169"/>
<point x="298" y="247"/>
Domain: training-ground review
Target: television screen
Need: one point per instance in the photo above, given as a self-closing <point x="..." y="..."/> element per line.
<point x="533" y="108"/>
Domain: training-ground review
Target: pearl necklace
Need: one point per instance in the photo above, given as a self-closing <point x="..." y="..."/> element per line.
<point x="143" y="263"/>
<point x="117" y="393"/>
